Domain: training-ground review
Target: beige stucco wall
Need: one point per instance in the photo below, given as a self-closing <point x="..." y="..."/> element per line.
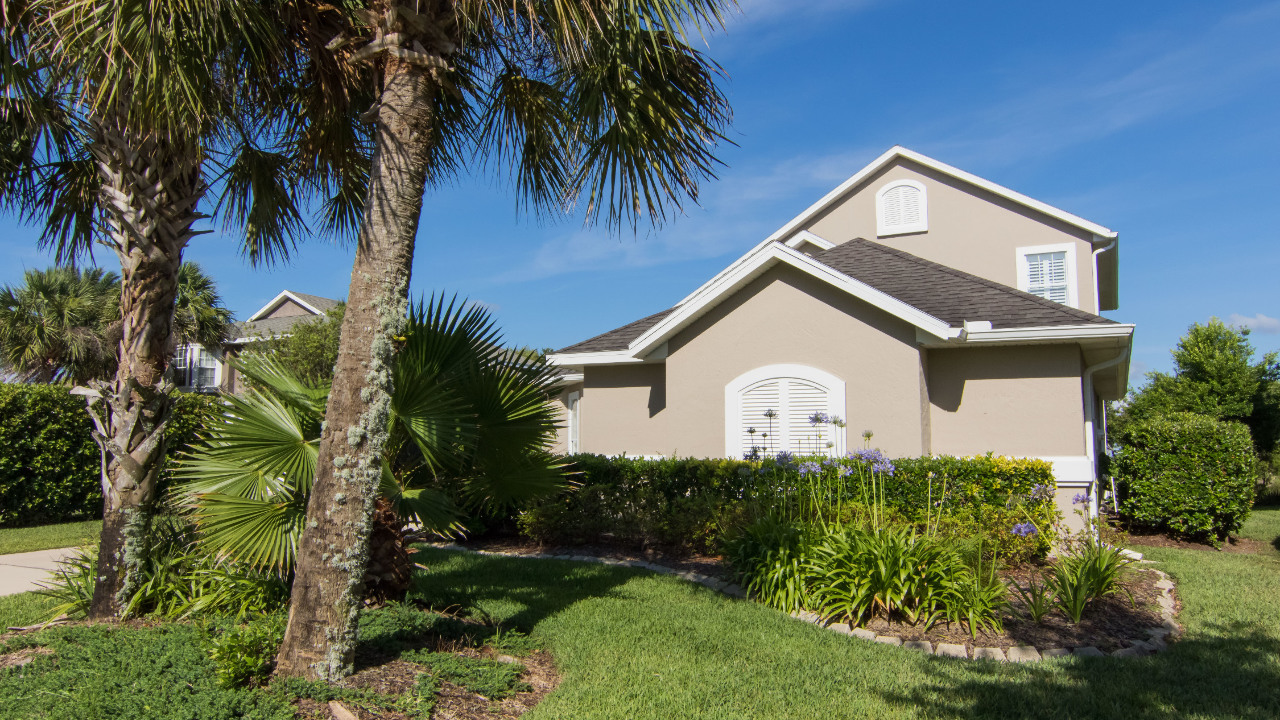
<point x="969" y="229"/>
<point x="788" y="317"/>
<point x="623" y="409"/>
<point x="1021" y="401"/>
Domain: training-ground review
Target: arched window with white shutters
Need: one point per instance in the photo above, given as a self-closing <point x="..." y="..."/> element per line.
<point x="770" y="409"/>
<point x="901" y="207"/>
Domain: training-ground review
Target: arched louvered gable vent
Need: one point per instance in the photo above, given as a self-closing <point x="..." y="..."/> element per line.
<point x="901" y="207"/>
<point x="769" y="410"/>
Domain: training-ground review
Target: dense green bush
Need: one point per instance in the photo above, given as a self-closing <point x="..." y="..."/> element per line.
<point x="49" y="464"/>
<point x="1186" y="473"/>
<point x="686" y="504"/>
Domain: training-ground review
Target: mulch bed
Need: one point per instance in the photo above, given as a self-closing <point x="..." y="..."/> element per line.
<point x="1109" y="624"/>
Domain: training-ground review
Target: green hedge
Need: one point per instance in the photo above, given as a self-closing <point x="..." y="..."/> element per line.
<point x="49" y="464"/>
<point x="685" y="504"/>
<point x="1188" y="474"/>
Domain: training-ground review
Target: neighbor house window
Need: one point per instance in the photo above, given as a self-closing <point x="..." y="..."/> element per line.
<point x="1048" y="271"/>
<point x="901" y="207"/>
<point x="196" y="368"/>
<point x="794" y="408"/>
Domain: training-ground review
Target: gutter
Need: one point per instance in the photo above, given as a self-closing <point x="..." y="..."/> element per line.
<point x="1090" y="449"/>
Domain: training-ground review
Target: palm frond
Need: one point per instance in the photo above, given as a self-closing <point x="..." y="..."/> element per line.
<point x="260" y="533"/>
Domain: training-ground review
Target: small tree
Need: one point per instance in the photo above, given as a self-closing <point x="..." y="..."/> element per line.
<point x="310" y="350"/>
<point x="1215" y="375"/>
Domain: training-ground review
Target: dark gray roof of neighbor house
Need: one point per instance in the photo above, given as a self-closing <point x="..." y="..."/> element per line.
<point x="950" y="295"/>
<point x="323" y="304"/>
<point x="617" y="339"/>
<point x="268" y="327"/>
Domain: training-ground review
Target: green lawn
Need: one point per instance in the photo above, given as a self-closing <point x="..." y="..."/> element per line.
<point x="1263" y="524"/>
<point x="631" y="644"/>
<point x="45" y="537"/>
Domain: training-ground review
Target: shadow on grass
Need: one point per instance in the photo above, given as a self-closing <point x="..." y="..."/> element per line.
<point x="1228" y="671"/>
<point x="512" y="592"/>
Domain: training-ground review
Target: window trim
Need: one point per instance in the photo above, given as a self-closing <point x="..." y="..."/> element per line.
<point x="883" y="230"/>
<point x="573" y="429"/>
<point x="1024" y="269"/>
<point x="733" y="400"/>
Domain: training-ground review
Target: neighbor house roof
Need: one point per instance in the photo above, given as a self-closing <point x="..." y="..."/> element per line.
<point x="948" y="304"/>
<point x="259" y="325"/>
<point x="314" y="303"/>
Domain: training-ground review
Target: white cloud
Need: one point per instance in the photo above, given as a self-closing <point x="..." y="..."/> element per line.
<point x="1258" y="323"/>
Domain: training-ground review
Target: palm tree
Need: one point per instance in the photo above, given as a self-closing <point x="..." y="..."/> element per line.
<point x="603" y="101"/>
<point x="470" y="426"/>
<point x="117" y="116"/>
<point x="198" y="313"/>
<point x="58" y="325"/>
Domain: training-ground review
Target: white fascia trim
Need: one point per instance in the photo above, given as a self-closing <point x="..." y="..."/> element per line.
<point x="284" y="294"/>
<point x="774" y="253"/>
<point x="568" y="379"/>
<point x="715" y="280"/>
<point x="899" y="151"/>
<point x="804" y="236"/>
<point x="611" y="357"/>
<point x="1050" y="333"/>
<point x="1070" y="471"/>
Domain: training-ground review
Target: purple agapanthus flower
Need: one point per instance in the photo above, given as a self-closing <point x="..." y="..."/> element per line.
<point x="810" y="468"/>
<point x="1042" y="492"/>
<point x="819" y="418"/>
<point x="845" y="471"/>
<point x="1080" y="499"/>
<point x="785" y="458"/>
<point x="1024" y="529"/>
<point x="879" y="463"/>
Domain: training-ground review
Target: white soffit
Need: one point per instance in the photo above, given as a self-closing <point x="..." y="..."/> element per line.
<point x="898" y="151"/>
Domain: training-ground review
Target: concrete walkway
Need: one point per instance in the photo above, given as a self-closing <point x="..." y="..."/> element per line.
<point x="20" y="572"/>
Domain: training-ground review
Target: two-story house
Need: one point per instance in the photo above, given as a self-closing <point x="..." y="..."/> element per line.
<point x="200" y="369"/>
<point x="941" y="312"/>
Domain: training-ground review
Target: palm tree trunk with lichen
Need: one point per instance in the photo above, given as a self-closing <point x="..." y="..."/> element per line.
<point x="150" y="189"/>
<point x="328" y="586"/>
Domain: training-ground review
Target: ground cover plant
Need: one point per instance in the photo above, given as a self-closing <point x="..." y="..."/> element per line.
<point x="631" y="644"/>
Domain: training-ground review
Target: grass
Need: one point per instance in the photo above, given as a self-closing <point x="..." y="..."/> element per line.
<point x="47" y="537"/>
<point x="631" y="644"/>
<point x="1263" y="525"/>
<point x="24" y="609"/>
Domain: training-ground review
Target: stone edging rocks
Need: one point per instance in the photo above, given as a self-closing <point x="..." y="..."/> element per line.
<point x="1154" y="642"/>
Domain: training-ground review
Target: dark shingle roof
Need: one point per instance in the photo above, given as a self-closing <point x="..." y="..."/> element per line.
<point x="950" y="295"/>
<point x="268" y="327"/>
<point x="617" y="339"/>
<point x="323" y="304"/>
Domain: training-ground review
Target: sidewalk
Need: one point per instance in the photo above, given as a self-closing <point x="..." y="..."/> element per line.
<point x="20" y="572"/>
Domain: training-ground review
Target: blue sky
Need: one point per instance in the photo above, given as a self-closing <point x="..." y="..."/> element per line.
<point x="1160" y="120"/>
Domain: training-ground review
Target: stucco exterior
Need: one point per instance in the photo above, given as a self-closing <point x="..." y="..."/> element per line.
<point x="623" y="408"/>
<point x="970" y="229"/>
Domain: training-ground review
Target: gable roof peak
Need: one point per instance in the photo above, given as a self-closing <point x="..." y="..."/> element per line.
<point x="898" y="152"/>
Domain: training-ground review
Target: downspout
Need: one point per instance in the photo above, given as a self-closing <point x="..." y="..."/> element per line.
<point x="1097" y="291"/>
<point x="1089" y="442"/>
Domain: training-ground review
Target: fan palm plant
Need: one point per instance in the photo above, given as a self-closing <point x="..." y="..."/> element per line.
<point x="470" y="426"/>
<point x="117" y="117"/>
<point x="198" y="313"/>
<point x="601" y="101"/>
<point x="58" y="325"/>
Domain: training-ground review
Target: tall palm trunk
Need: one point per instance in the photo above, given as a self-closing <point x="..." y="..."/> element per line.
<point x="328" y="586"/>
<point x="151" y="189"/>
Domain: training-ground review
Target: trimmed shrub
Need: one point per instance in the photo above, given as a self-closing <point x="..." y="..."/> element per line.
<point x="49" y="464"/>
<point x="1188" y="474"/>
<point x="685" y="504"/>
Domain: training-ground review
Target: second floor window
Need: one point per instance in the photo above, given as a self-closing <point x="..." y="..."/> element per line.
<point x="1047" y="276"/>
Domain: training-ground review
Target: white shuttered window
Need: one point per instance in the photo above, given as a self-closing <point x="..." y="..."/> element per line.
<point x="773" y="415"/>
<point x="901" y="207"/>
<point x="1047" y="276"/>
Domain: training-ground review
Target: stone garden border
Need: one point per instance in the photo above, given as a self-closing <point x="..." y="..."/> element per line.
<point x="1154" y="642"/>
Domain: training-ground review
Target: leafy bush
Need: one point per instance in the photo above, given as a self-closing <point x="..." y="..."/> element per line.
<point x="49" y="463"/>
<point x="771" y="558"/>
<point x="1088" y="573"/>
<point x="690" y="505"/>
<point x="246" y="654"/>
<point x="1188" y="474"/>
